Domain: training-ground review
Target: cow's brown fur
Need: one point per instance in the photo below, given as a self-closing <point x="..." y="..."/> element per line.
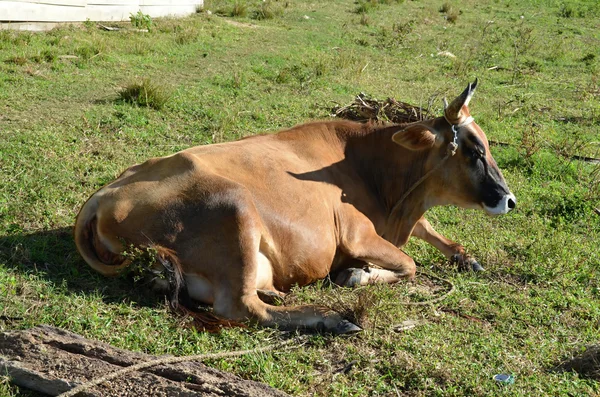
<point x="274" y="211"/>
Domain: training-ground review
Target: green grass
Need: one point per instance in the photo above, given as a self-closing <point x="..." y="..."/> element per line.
<point x="64" y="133"/>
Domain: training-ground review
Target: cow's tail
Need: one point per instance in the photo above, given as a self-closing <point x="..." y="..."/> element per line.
<point x="92" y="245"/>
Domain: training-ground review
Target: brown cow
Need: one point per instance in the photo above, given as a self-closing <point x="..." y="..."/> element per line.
<point x="266" y="213"/>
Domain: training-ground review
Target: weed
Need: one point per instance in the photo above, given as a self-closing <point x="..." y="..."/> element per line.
<point x="17" y="60"/>
<point x="445" y="8"/>
<point x="46" y="55"/>
<point x="93" y="47"/>
<point x="145" y="93"/>
<point x="566" y="11"/>
<point x="186" y="36"/>
<point x="239" y="10"/>
<point x="588" y="59"/>
<point x="452" y="16"/>
<point x="364" y="19"/>
<point x="365" y="6"/>
<point x="531" y="141"/>
<point x="395" y="36"/>
<point x="523" y="41"/>
<point x="268" y="10"/>
<point x="140" y="47"/>
<point x="141" y="20"/>
<point x="89" y="25"/>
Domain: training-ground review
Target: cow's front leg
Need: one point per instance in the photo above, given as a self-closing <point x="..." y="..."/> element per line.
<point x="365" y="246"/>
<point x="451" y="250"/>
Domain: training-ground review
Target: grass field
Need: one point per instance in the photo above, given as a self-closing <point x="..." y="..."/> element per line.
<point x="250" y="67"/>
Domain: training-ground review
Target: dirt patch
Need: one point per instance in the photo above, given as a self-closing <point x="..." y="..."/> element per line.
<point x="52" y="361"/>
<point x="241" y="24"/>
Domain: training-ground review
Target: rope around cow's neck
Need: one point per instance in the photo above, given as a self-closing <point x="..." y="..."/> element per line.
<point x="452" y="147"/>
<point x="172" y="360"/>
<point x="451" y="152"/>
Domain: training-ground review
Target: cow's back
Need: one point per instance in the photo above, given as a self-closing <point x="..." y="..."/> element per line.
<point x="291" y="180"/>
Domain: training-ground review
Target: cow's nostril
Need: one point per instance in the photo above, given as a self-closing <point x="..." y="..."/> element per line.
<point x="512" y="203"/>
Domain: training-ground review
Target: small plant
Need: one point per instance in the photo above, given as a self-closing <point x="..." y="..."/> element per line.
<point x="445" y="8"/>
<point x="186" y="36"/>
<point x="88" y="50"/>
<point x="268" y="10"/>
<point x="452" y="16"/>
<point x="566" y="11"/>
<point x="17" y="60"/>
<point x="523" y="41"/>
<point x="530" y="141"/>
<point x="588" y="59"/>
<point x="364" y="6"/>
<point x="141" y="20"/>
<point x="451" y="13"/>
<point x="88" y="24"/>
<point x="239" y="10"/>
<point x="364" y="19"/>
<point x="145" y="93"/>
<point x="46" y="55"/>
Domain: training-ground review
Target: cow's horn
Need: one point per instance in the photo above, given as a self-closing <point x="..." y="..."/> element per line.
<point x="453" y="110"/>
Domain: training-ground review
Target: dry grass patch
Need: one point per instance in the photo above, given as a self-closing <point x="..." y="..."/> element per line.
<point x="146" y="93"/>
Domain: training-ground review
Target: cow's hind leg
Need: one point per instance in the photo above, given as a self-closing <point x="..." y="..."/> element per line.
<point x="235" y="282"/>
<point x="353" y="277"/>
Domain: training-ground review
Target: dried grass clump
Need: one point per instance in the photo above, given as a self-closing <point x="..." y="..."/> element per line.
<point x="239" y="10"/>
<point x="364" y="108"/>
<point x="355" y="307"/>
<point x="145" y="93"/>
<point x="451" y="13"/>
<point x="268" y="10"/>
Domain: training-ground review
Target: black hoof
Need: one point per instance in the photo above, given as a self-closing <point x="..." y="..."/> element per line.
<point x="466" y="264"/>
<point x="270" y="297"/>
<point x="346" y="327"/>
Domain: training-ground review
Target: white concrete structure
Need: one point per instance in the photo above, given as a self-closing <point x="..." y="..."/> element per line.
<point x="49" y="11"/>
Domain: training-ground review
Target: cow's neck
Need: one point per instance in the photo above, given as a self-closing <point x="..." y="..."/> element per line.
<point x="390" y="171"/>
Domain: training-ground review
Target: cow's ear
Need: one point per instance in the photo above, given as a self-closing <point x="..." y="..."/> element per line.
<point x="415" y="137"/>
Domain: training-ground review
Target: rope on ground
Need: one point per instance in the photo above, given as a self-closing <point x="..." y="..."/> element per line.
<point x="172" y="360"/>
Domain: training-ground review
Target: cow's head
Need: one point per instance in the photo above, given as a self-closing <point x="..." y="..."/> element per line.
<point x="469" y="178"/>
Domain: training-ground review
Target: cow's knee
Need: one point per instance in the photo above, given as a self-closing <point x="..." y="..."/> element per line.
<point x="410" y="270"/>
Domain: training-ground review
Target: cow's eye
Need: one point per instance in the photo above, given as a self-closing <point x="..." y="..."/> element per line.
<point x="475" y="153"/>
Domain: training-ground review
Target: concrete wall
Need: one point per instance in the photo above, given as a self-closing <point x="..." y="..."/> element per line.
<point x="94" y="10"/>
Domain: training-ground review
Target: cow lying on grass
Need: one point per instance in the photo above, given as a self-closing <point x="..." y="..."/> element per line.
<point x="238" y="220"/>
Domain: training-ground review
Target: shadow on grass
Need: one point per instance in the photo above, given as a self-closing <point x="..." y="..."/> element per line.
<point x="586" y="363"/>
<point x="52" y="256"/>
